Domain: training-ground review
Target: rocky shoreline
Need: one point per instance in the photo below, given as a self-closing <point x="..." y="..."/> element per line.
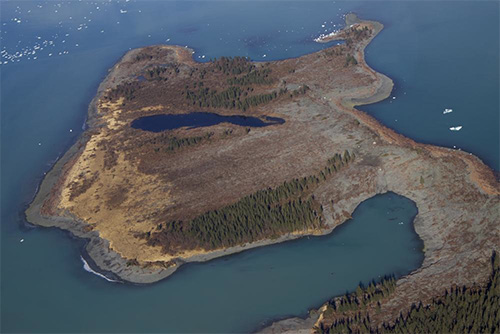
<point x="457" y="196"/>
<point x="420" y="285"/>
<point x="107" y="261"/>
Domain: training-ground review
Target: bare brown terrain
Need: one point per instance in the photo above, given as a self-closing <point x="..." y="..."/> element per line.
<point x="118" y="185"/>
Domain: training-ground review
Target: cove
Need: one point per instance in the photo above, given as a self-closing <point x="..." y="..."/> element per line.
<point x="237" y="293"/>
<point x="159" y="123"/>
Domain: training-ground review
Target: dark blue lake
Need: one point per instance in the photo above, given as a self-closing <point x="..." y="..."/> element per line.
<point x="441" y="54"/>
<point x="159" y="123"/>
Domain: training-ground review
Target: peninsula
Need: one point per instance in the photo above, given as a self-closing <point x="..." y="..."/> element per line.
<point x="185" y="161"/>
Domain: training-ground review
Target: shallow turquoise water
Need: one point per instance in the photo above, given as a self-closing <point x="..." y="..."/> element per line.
<point x="44" y="287"/>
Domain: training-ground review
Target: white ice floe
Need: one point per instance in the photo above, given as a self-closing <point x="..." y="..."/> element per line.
<point x="456" y="128"/>
<point x="447" y="111"/>
<point x="90" y="270"/>
<point x="22" y="240"/>
<point x="321" y="37"/>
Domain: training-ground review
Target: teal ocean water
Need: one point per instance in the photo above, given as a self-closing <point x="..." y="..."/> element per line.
<point x="54" y="54"/>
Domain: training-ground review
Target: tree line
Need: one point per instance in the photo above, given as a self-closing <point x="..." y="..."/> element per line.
<point x="343" y="312"/>
<point x="235" y="97"/>
<point x="233" y="65"/>
<point x="463" y="309"/>
<point x="126" y="90"/>
<point x="167" y="143"/>
<point x="160" y="72"/>
<point x="255" y="77"/>
<point x="474" y="309"/>
<point x="267" y="213"/>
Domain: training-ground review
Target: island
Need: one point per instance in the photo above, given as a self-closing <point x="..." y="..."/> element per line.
<point x="185" y="162"/>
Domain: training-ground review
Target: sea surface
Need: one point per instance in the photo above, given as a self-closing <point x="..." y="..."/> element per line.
<point x="441" y="54"/>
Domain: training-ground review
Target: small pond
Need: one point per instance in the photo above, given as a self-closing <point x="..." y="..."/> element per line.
<point x="158" y="123"/>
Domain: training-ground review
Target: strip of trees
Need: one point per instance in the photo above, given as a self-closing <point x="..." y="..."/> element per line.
<point x="173" y="143"/>
<point x="233" y="65"/>
<point x="126" y="90"/>
<point x="461" y="310"/>
<point x="474" y="309"/>
<point x="267" y="213"/>
<point x="161" y="73"/>
<point x="255" y="77"/>
<point x="234" y="97"/>
<point x="344" y="312"/>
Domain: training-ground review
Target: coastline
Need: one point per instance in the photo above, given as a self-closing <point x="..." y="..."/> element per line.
<point x="108" y="261"/>
<point x="479" y="173"/>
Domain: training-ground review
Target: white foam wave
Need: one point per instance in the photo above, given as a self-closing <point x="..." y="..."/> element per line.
<point x="90" y="270"/>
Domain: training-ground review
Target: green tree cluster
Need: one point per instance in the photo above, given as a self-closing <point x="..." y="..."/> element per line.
<point x="143" y="56"/>
<point x="160" y="72"/>
<point x="264" y="214"/>
<point x="206" y="97"/>
<point x="255" y="77"/>
<point x="463" y="309"/>
<point x="233" y="65"/>
<point x="167" y="143"/>
<point x="126" y="90"/>
<point x="364" y="295"/>
<point x="232" y="97"/>
<point x="460" y="310"/>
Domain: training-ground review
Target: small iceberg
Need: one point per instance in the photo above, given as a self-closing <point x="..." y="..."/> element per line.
<point x="456" y="128"/>
<point x="22" y="240"/>
<point x="447" y="111"/>
<point x="122" y="11"/>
